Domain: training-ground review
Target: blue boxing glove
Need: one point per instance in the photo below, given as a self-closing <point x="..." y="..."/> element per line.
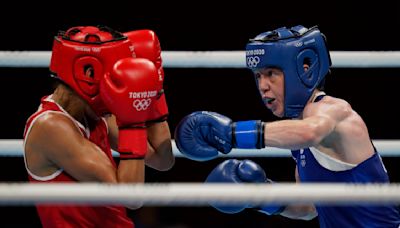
<point x="200" y="135"/>
<point x="246" y="171"/>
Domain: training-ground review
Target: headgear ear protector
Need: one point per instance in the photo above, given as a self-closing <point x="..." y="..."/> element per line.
<point x="289" y="49"/>
<point x="82" y="55"/>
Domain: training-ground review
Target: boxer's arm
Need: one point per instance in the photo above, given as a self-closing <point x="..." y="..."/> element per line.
<point x="76" y="155"/>
<point x="320" y="120"/>
<point x="297" y="134"/>
<point x="112" y="131"/>
<point x="159" y="155"/>
<point x="299" y="211"/>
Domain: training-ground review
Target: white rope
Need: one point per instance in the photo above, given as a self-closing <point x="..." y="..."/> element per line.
<point x="197" y="194"/>
<point x="215" y="59"/>
<point x="386" y="148"/>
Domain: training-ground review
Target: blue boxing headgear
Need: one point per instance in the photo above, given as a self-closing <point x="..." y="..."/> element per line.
<point x="288" y="49"/>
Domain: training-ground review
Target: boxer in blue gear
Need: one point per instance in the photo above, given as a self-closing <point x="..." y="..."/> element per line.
<point x="329" y="140"/>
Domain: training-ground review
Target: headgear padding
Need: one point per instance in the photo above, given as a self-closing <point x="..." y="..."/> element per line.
<point x="82" y="55"/>
<point x="289" y="49"/>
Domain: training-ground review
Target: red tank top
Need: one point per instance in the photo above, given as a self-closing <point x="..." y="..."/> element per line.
<point x="76" y="216"/>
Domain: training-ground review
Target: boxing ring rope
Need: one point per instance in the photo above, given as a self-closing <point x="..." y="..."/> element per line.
<point x="386" y="148"/>
<point x="215" y="59"/>
<point x="198" y="194"/>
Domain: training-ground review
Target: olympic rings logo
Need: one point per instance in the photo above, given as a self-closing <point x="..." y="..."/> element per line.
<point x="142" y="104"/>
<point x="253" y="61"/>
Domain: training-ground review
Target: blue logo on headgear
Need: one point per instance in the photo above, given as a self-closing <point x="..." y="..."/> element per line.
<point x="289" y="49"/>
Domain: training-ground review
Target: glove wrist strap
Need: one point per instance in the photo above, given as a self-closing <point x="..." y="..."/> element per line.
<point x="249" y="134"/>
<point x="132" y="143"/>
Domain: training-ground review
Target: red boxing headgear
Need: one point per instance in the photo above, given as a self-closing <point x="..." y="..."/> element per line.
<point x="82" y="55"/>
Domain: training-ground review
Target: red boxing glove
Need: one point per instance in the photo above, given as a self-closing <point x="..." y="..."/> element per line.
<point x="146" y="45"/>
<point x="129" y="92"/>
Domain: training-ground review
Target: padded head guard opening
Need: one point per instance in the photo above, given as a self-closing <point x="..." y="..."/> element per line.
<point x="82" y="55"/>
<point x="289" y="49"/>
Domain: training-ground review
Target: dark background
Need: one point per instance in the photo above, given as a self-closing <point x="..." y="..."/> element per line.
<point x="200" y="26"/>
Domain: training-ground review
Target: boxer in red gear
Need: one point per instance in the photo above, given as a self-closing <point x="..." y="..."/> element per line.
<point x="70" y="137"/>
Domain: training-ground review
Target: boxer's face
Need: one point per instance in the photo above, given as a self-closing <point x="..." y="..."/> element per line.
<point x="271" y="87"/>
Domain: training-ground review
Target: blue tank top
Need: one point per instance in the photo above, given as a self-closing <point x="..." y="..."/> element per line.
<point x="371" y="170"/>
<point x="326" y="169"/>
